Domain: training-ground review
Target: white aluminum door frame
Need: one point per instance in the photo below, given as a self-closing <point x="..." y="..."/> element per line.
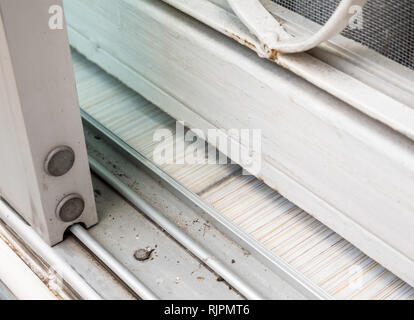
<point x="44" y="172"/>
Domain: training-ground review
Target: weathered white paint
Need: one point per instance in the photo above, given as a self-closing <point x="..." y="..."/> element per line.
<point x="39" y="111"/>
<point x="345" y="55"/>
<point x="347" y="87"/>
<point x="350" y="171"/>
<point x="20" y="280"/>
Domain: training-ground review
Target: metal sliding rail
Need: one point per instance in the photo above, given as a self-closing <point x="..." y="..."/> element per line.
<point x="276" y="264"/>
<point x="114" y="265"/>
<point x="38" y="245"/>
<point x="199" y="251"/>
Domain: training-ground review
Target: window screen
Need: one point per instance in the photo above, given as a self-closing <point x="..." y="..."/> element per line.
<point x="388" y="25"/>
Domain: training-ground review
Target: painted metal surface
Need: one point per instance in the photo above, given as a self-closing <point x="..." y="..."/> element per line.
<point x="350" y="57"/>
<point x="190" y="198"/>
<point x="39" y="112"/>
<point x="318" y="151"/>
<point x="172" y="271"/>
<point x="306" y="244"/>
<point x="287" y="232"/>
<point x="347" y="87"/>
<point x="174" y="231"/>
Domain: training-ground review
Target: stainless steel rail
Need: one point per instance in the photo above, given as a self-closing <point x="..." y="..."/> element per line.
<point x="200" y="252"/>
<point x="114" y="265"/>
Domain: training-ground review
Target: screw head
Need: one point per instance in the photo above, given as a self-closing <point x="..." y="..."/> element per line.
<point x="70" y="208"/>
<point x="59" y="161"/>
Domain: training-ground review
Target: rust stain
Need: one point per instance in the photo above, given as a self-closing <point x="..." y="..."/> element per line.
<point x="45" y="280"/>
<point x="240" y="40"/>
<point x="249" y="44"/>
<point x="15" y="250"/>
<point x="273" y="55"/>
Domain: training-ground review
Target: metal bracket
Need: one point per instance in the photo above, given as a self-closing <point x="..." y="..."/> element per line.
<point x="44" y="172"/>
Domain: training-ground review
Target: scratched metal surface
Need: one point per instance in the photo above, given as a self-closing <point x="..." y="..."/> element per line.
<point x="286" y="230"/>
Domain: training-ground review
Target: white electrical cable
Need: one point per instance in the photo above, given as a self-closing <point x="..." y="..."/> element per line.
<point x="274" y="38"/>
